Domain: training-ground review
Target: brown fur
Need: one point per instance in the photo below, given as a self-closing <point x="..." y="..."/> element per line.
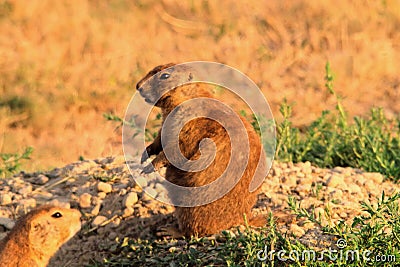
<point x="228" y="210"/>
<point x="37" y="236"/>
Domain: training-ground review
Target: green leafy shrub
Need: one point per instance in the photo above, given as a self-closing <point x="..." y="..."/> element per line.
<point x="10" y="163"/>
<point x="371" y="143"/>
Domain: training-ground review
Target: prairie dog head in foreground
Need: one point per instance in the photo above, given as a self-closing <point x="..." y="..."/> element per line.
<point x="38" y="235"/>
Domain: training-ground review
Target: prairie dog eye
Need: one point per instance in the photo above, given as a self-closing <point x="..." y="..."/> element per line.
<point x="165" y="76"/>
<point x="56" y="215"/>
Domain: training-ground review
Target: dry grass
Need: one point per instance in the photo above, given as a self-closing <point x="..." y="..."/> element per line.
<point x="64" y="63"/>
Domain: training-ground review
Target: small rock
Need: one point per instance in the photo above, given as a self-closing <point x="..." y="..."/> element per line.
<point x="307" y="179"/>
<point x="300" y="175"/>
<point x="81" y="166"/>
<point x="276" y="171"/>
<point x="359" y="179"/>
<point x="374" y="176"/>
<point x="85" y="200"/>
<point x="106" y="160"/>
<point x="73" y="189"/>
<point x="285" y="189"/>
<point x="70" y="181"/>
<point x="60" y="203"/>
<point x="354" y="189"/>
<point x="141" y="181"/>
<point x="130" y="199"/>
<point x="28" y="203"/>
<point x="118" y="160"/>
<point x="7" y="223"/>
<point x="57" y="172"/>
<point x="40" y="179"/>
<point x="307" y="168"/>
<point x="149" y="194"/>
<point x="16" y="181"/>
<point x="338" y="169"/>
<point x="45" y="195"/>
<point x="308" y="225"/>
<point x="335" y="180"/>
<point x="365" y="214"/>
<point x="289" y="180"/>
<point x="297" y="230"/>
<point x="24" y="191"/>
<point x="127" y="212"/>
<point x="17" y="197"/>
<point x="104" y="187"/>
<point x="336" y="194"/>
<point x="371" y="187"/>
<point x="5" y="199"/>
<point x="311" y="202"/>
<point x="126" y="181"/>
<point x="95" y="211"/>
<point x="101" y="195"/>
<point x="316" y="170"/>
<point x="99" y="220"/>
<point x="348" y="171"/>
<point x="96" y="200"/>
<point x="115" y="223"/>
<point x="303" y="190"/>
<point x="4" y="188"/>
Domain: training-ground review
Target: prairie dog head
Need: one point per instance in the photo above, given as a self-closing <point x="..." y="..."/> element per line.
<point x="38" y="235"/>
<point x="52" y="226"/>
<point x="156" y="84"/>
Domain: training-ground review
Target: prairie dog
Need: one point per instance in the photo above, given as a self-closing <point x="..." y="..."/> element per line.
<point x="228" y="210"/>
<point x="38" y="235"/>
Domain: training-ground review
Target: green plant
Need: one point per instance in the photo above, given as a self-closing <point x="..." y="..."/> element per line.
<point x="372" y="235"/>
<point x="11" y="162"/>
<point x="6" y="8"/>
<point x="371" y="143"/>
<point x="315" y="189"/>
<point x="150" y="133"/>
<point x="376" y="233"/>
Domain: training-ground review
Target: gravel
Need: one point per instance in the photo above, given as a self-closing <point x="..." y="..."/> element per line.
<point x="115" y="206"/>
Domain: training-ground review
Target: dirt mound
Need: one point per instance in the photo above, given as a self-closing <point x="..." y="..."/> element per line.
<point x="115" y="206"/>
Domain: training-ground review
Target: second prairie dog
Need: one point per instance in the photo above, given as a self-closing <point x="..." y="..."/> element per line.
<point x="228" y="210"/>
<point x="38" y="235"/>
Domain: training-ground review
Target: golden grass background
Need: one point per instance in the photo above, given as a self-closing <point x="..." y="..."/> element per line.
<point x="64" y="63"/>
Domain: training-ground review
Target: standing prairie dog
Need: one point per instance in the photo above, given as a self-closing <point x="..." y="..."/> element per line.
<point x="228" y="210"/>
<point x="38" y="235"/>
